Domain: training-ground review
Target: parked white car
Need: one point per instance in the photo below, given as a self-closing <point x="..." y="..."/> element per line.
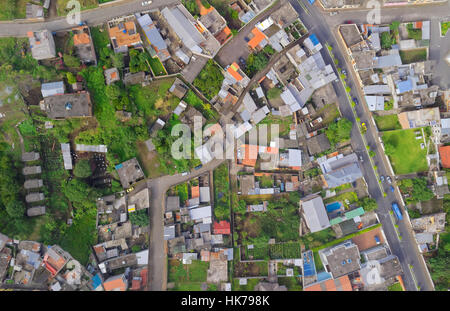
<point x="144" y="3"/>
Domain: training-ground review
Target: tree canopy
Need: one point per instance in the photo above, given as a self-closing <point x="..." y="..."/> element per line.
<point x="339" y="131"/>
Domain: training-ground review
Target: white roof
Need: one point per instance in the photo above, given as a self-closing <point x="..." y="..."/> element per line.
<point x="142" y="257"/>
<point x="204" y="194"/>
<point x="445" y="123"/>
<point x="203" y="153"/>
<point x="249" y="103"/>
<point x="295" y="157"/>
<point x="200" y="212"/>
<point x="315" y="214"/>
<point x="375" y="102"/>
<point x="265" y="24"/>
<point x="259" y="92"/>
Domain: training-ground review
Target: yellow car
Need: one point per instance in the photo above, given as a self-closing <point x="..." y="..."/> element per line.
<point x="130" y="189"/>
<point x="363" y="125"/>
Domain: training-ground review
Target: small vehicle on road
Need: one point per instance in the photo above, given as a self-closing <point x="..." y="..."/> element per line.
<point x="130" y="189"/>
<point x="361" y="158"/>
<point x="348" y="22"/>
<point x="397" y="211"/>
<point x="333" y="13"/>
<point x="144" y="3"/>
<point x="355" y="100"/>
<point x="185" y="173"/>
<point x="389" y="180"/>
<point x="242" y="61"/>
<point x="198" y="167"/>
<point x="382" y="178"/>
<point x="391" y="188"/>
<point x="344" y="72"/>
<point x="364" y="127"/>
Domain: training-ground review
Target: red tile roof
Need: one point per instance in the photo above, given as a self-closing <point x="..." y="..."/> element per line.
<point x="258" y="37"/>
<point x="330" y="285"/>
<point x="444" y="151"/>
<point x="195" y="192"/>
<point x="222" y="227"/>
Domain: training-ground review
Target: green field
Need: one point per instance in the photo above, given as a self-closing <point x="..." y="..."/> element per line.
<point x="396" y="287"/>
<point x="187" y="277"/>
<point x="157" y="66"/>
<point x="61" y="6"/>
<point x="12" y="9"/>
<point x="413" y="56"/>
<point x="406" y="156"/>
<point x="387" y="123"/>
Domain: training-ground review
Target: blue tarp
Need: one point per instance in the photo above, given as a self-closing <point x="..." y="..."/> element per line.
<point x="311" y="1"/>
<point x="404" y="86"/>
<point x="119" y="166"/>
<point x="333" y="206"/>
<point x="96" y="281"/>
<point x="314" y="39"/>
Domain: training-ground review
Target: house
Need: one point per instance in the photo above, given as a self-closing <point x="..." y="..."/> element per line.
<point x="55" y="259"/>
<point x="65" y="106"/>
<point x="33" y="184"/>
<point x="314" y="213"/>
<point x="341" y="259"/>
<point x="42" y="44"/>
<point x="215" y="23"/>
<point x="116" y="283"/>
<point x="141" y="199"/>
<point x="172" y="203"/>
<point x="153" y="37"/>
<point x="339" y="284"/>
<point x="34" y="197"/>
<point x="36" y="211"/>
<point x="30" y="156"/>
<point x="129" y="172"/>
<point x="271" y="287"/>
<point x="180" y="108"/>
<point x="444" y="152"/>
<point x="134" y="78"/>
<point x="257" y="39"/>
<point x="378" y="273"/>
<point x="318" y="144"/>
<point x="123" y="35"/>
<point x="52" y="88"/>
<point x="111" y="75"/>
<point x="91" y="148"/>
<point x="440" y="186"/>
<point x="434" y="223"/>
<point x="31" y="170"/>
<point x="205" y="194"/>
<point x="178" y="88"/>
<point x="124" y="261"/>
<point x="34" y="11"/>
<point x="222" y="227"/>
<point x="419" y="118"/>
<point x="193" y="35"/>
<point x="235" y="74"/>
<point x="84" y="47"/>
<point x="340" y="169"/>
<point x="201" y="213"/>
<point x="375" y="103"/>
<point x="67" y="157"/>
<point x="169" y="232"/>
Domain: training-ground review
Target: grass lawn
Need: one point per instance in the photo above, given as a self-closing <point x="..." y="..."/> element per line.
<point x="284" y="124"/>
<point x="157" y="66"/>
<point x="396" y="287"/>
<point x="85" y="5"/>
<point x="187" y="277"/>
<point x="12" y="9"/>
<point x="251" y="283"/>
<point x="387" y="123"/>
<point x="292" y="283"/>
<point x="444" y="27"/>
<point x="222" y="193"/>
<point x="413" y="56"/>
<point x="329" y="113"/>
<point x="350" y="196"/>
<point x="408" y="157"/>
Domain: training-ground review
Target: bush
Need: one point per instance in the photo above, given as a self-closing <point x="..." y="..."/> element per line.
<point x="273" y="93"/>
<point x="82" y="169"/>
<point x="339" y="131"/>
<point x="71" y="61"/>
<point x="387" y="40"/>
<point x="209" y="81"/>
<point x="71" y="79"/>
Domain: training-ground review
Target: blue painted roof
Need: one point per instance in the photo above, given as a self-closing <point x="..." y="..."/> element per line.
<point x="314" y="39"/>
<point x="404" y="86"/>
<point x="119" y="166"/>
<point x="322" y="276"/>
<point x="309" y="268"/>
<point x="311" y="1"/>
<point x="96" y="281"/>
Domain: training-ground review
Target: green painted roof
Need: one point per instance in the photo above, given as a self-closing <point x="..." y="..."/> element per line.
<point x="336" y="220"/>
<point x="353" y="213"/>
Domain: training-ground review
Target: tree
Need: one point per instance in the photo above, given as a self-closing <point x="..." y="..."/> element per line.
<point x="339" y="131"/>
<point x="71" y="61"/>
<point x="117" y="60"/>
<point x="137" y="61"/>
<point x="82" y="169"/>
<point x="75" y="190"/>
<point x="394" y="25"/>
<point x="15" y="209"/>
<point x="139" y="218"/>
<point x="71" y="79"/>
<point x="389" y="149"/>
<point x="113" y="92"/>
<point x="368" y="204"/>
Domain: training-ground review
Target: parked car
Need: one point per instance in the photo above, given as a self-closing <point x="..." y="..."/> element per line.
<point x="348" y="22"/>
<point x="130" y="189"/>
<point x="333" y="13"/>
<point x="344" y="72"/>
<point x="391" y="188"/>
<point x="144" y="3"/>
<point x="361" y="158"/>
<point x="198" y="167"/>
<point x="355" y="100"/>
<point x="389" y="180"/>
<point x="382" y="178"/>
<point x="242" y="61"/>
<point x="185" y="173"/>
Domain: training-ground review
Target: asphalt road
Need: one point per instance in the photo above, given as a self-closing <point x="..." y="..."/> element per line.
<point x="91" y="17"/>
<point x="406" y="250"/>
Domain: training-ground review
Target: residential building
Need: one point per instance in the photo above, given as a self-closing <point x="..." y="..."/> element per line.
<point x="65" y="106"/>
<point x="55" y="259"/>
<point x="67" y="157"/>
<point x="257" y="39"/>
<point x="341" y="259"/>
<point x="84" y="46"/>
<point x="123" y="35"/>
<point x="340" y="169"/>
<point x="179" y="89"/>
<point x="42" y="44"/>
<point x="129" y="172"/>
<point x="52" y="88"/>
<point x="34" y="197"/>
<point x="31" y="170"/>
<point x="314" y="213"/>
<point x="30" y="156"/>
<point x="157" y="45"/>
<point x="36" y="211"/>
<point x="419" y="118"/>
<point x="222" y="227"/>
<point x="339" y="284"/>
<point x="111" y="75"/>
<point x="33" y="11"/>
<point x="116" y="283"/>
<point x="33" y="184"/>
